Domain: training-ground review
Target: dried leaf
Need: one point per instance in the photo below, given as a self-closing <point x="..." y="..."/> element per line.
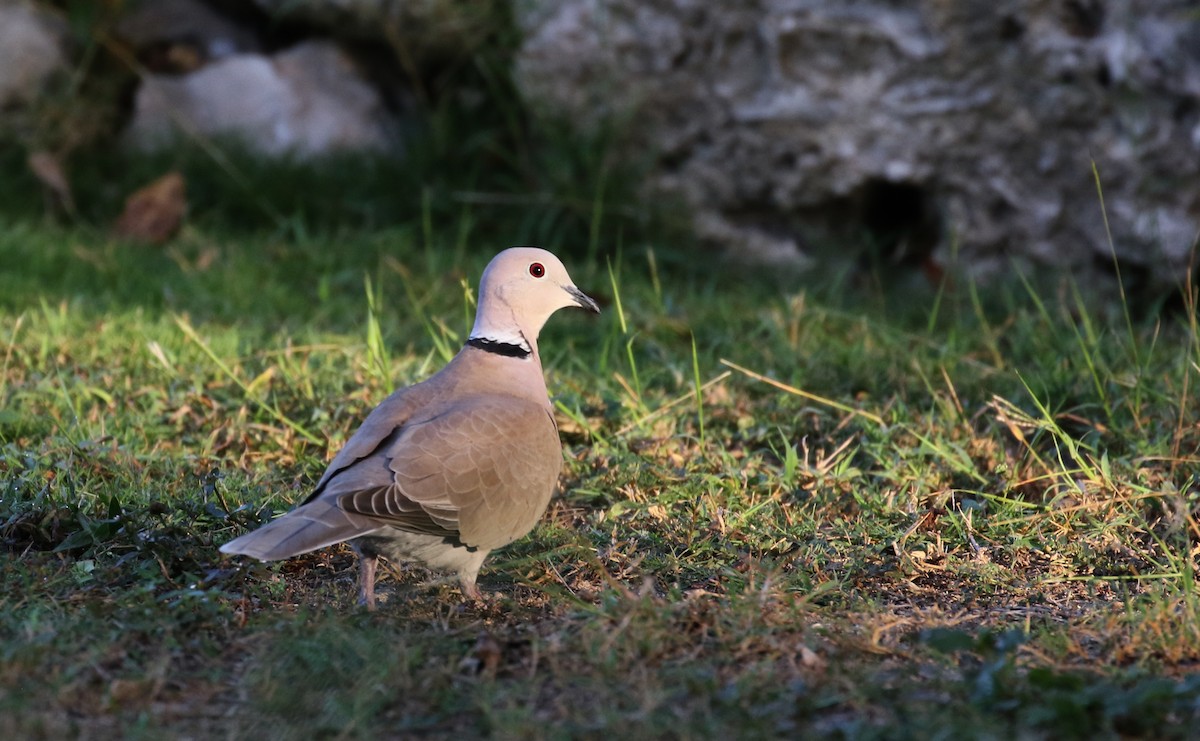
<point x="154" y="213"/>
<point x="810" y="659"/>
<point x="49" y="171"/>
<point x="485" y="656"/>
<point x="184" y="57"/>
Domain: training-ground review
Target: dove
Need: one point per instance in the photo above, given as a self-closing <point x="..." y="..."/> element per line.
<point x="447" y="470"/>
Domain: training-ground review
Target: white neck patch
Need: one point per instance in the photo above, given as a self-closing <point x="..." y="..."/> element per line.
<point x="503" y="337"/>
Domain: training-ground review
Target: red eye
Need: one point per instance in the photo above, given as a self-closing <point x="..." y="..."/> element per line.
<point x="536" y="270"/>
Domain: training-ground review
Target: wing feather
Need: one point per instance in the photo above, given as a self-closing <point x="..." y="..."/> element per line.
<point x="478" y="468"/>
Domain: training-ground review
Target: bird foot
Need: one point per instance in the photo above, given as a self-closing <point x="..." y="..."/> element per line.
<point x="473" y="595"/>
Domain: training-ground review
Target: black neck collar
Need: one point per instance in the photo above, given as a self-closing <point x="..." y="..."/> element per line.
<point x="507" y="349"/>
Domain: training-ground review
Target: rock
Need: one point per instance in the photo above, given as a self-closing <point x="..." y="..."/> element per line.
<point x="31" y="50"/>
<point x="418" y="28"/>
<point x="925" y="128"/>
<point x="165" y="27"/>
<point x="307" y="100"/>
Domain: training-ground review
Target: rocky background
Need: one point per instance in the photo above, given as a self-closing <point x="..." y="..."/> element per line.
<point x="937" y="134"/>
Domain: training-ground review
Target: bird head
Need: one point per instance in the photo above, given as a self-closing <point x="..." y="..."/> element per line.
<point x="520" y="288"/>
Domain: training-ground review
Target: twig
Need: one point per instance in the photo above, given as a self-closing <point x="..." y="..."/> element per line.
<point x="805" y="394"/>
<point x="672" y="403"/>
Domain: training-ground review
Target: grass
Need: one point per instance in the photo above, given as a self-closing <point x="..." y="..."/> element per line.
<point x="952" y="511"/>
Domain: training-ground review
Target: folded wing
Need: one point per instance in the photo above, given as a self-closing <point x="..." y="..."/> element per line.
<point x="479" y="469"/>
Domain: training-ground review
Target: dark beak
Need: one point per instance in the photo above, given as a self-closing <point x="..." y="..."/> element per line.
<point x="583" y="300"/>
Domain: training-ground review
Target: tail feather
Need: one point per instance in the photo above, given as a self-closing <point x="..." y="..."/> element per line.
<point x="307" y="528"/>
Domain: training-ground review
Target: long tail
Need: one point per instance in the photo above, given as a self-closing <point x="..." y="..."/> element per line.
<point x="307" y="528"/>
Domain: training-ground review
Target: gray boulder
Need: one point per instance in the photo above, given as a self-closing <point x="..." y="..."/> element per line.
<point x="966" y="128"/>
<point x="307" y="100"/>
<point x="31" y="50"/>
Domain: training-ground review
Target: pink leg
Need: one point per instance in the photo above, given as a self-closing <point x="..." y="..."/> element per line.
<point x="366" y="580"/>
<point x="470" y="591"/>
<point x="466" y="577"/>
